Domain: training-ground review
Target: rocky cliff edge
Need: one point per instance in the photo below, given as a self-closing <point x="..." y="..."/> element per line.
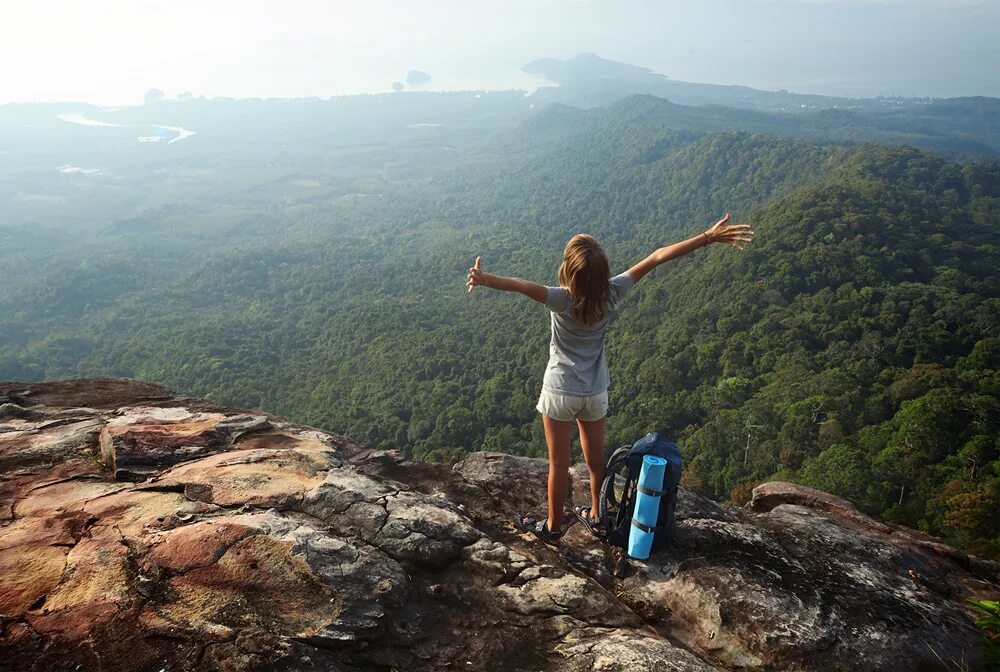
<point x="140" y="530"/>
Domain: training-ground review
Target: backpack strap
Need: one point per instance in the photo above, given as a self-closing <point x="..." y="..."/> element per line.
<point x="647" y="528"/>
<point x="615" y="463"/>
<point x="652" y="493"/>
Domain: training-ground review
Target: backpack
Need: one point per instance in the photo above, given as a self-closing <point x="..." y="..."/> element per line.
<point x="618" y="491"/>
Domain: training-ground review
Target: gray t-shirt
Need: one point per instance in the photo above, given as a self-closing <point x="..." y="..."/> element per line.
<point x="577" y="365"/>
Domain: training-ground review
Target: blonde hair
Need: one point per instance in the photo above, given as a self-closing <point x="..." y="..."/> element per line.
<point x="585" y="273"/>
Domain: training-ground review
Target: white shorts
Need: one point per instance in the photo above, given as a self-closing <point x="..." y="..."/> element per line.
<point x="566" y="407"/>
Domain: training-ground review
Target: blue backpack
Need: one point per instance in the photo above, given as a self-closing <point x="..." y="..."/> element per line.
<point x="619" y="490"/>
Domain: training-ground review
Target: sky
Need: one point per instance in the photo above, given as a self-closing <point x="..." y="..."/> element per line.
<point x="110" y="52"/>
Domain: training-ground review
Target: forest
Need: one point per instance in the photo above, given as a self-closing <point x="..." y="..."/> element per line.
<point x="854" y="347"/>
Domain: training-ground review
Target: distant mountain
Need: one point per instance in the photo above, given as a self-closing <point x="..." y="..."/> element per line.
<point x="587" y="80"/>
<point x="969" y="125"/>
<point x="587" y="67"/>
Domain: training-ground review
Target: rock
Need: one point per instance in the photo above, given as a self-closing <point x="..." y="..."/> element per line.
<point x="32" y="559"/>
<point x="423" y="531"/>
<point x="252" y="543"/>
<point x="9" y="411"/>
<point x="495" y="473"/>
<point x="494" y="561"/>
<point x="768" y="496"/>
<point x="693" y="505"/>
<point x="46" y="442"/>
<point x="102" y="393"/>
<point x="622" y="650"/>
<point x="140" y="441"/>
<point x="794" y="584"/>
<point x="548" y="590"/>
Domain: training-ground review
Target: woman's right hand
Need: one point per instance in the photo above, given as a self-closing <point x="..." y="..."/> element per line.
<point x="476" y="275"/>
<point x="733" y="234"/>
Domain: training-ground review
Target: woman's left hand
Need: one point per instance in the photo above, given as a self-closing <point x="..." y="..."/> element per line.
<point x="733" y="234"/>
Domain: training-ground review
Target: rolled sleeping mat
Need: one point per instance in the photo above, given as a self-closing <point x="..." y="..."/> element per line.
<point x="647" y="506"/>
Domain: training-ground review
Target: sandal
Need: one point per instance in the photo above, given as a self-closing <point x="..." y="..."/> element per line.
<point x="583" y="515"/>
<point x="539" y="528"/>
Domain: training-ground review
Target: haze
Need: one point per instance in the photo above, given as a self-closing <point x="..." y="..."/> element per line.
<point x="110" y="52"/>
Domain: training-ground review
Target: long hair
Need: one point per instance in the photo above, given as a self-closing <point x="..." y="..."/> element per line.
<point x="585" y="272"/>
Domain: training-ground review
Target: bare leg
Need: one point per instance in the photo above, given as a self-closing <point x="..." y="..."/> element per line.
<point x="592" y="443"/>
<point x="557" y="436"/>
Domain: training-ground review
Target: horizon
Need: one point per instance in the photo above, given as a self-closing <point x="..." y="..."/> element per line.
<point x="110" y="53"/>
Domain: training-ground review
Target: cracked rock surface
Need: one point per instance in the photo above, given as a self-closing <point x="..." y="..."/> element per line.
<point x="140" y="530"/>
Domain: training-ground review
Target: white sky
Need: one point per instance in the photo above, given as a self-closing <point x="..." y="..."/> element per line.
<point x="112" y="51"/>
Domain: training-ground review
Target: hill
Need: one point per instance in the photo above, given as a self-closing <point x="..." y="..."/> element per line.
<point x="586" y="67"/>
<point x="969" y="125"/>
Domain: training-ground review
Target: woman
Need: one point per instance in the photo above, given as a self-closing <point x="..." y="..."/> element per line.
<point x="575" y="386"/>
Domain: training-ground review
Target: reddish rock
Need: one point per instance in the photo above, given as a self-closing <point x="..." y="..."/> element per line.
<point x="140" y="441"/>
<point x="100" y="393"/>
<point x="30" y="572"/>
<point x="197" y="545"/>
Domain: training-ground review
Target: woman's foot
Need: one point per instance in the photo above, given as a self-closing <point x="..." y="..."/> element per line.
<point x="539" y="528"/>
<point x="592" y="524"/>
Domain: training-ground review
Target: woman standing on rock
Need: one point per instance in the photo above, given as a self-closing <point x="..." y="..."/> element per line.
<point x="575" y="386"/>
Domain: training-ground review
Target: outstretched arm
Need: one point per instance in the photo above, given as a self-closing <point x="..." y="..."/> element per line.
<point x="532" y="290"/>
<point x="721" y="232"/>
